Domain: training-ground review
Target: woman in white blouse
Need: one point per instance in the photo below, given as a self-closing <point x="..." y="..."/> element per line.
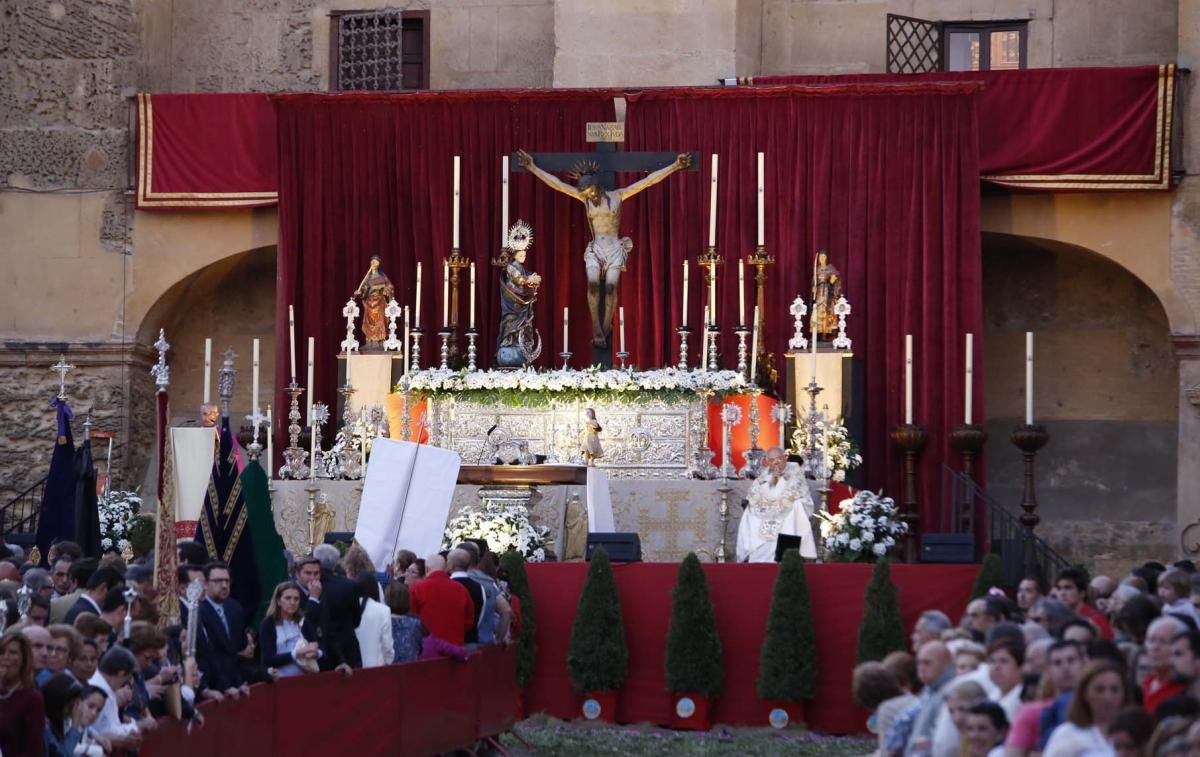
<point x="374" y="631"/>
<point x="1098" y="698"/>
<point x="281" y="642"/>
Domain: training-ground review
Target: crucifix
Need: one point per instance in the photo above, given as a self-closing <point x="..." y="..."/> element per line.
<point x="62" y="367"/>
<point x="594" y="175"/>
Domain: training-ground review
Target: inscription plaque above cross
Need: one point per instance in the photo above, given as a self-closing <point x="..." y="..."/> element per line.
<point x="594" y="174"/>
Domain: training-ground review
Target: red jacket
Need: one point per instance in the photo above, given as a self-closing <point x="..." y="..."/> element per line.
<point x="1097" y="617"/>
<point x="444" y="606"/>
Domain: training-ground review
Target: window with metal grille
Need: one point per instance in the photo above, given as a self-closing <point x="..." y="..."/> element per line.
<point x="914" y="45"/>
<point x="984" y="46"/>
<point x="379" y="50"/>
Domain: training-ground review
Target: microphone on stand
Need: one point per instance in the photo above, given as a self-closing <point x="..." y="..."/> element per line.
<point x="486" y="439"/>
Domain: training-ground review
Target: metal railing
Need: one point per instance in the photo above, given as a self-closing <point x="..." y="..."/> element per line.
<point x="1021" y="552"/>
<point x="21" y="512"/>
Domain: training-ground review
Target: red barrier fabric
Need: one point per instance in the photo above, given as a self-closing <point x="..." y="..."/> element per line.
<point x="418" y="708"/>
<point x="884" y="178"/>
<point x="742" y="595"/>
<point x="1060" y="128"/>
<point x="203" y="151"/>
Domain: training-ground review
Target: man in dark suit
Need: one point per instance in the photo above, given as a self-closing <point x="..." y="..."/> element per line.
<point x="222" y="642"/>
<point x="340" y="613"/>
<point x="101" y="582"/>
<point x="308" y="578"/>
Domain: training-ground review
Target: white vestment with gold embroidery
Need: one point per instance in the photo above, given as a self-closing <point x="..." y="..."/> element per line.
<point x="776" y="507"/>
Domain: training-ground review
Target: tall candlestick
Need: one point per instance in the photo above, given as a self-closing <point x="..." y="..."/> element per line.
<point x="712" y="295"/>
<point x="814" y="349"/>
<point x="473" y="291"/>
<point x="362" y="449"/>
<point x="504" y="201"/>
<point x="311" y="350"/>
<point x="566" y="333"/>
<point x="292" y="338"/>
<point x="270" y="442"/>
<point x="683" y="320"/>
<point x="407" y="343"/>
<point x="1028" y="378"/>
<point x="254" y="382"/>
<point x="207" y="371"/>
<point x="312" y="454"/>
<point x="762" y="191"/>
<point x="970" y="384"/>
<point x="348" y="382"/>
<point x="712" y="205"/>
<point x="457" y="192"/>
<point x="908" y="379"/>
<point x="754" y="348"/>
<point x="417" y="306"/>
<point x="445" y="295"/>
<point x="741" y="291"/>
<point x="621" y="315"/>
<point x="704" y="340"/>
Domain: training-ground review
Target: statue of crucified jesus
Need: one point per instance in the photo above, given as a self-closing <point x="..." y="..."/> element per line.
<point x="605" y="255"/>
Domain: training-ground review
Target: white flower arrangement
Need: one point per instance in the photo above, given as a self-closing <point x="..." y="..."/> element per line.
<point x="504" y="527"/>
<point x="866" y="529"/>
<point x="594" y="380"/>
<point x="841" y="454"/>
<point x="117" y="510"/>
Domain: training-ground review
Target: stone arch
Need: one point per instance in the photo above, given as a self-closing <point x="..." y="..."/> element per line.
<point x="1105" y="385"/>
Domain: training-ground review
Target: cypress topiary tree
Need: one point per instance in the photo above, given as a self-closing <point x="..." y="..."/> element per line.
<point x="598" y="658"/>
<point x="787" y="667"/>
<point x="513" y="563"/>
<point x="693" y="646"/>
<point x="991" y="573"/>
<point x="882" y="630"/>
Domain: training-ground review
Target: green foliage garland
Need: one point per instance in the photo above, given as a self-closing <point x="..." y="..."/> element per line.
<point x="693" y="647"/>
<point x="598" y="658"/>
<point x="788" y="663"/>
<point x="882" y="630"/>
<point x="991" y="573"/>
<point x="518" y="583"/>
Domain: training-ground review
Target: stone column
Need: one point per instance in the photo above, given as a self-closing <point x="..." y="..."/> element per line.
<point x="1188" y="501"/>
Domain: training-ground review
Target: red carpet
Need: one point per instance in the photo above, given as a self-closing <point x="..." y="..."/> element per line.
<point x="742" y="594"/>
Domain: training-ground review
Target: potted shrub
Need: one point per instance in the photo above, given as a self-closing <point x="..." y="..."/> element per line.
<point x="787" y="672"/>
<point x="693" y="659"/>
<point x="598" y="657"/>
<point x="882" y="630"/>
<point x="513" y="564"/>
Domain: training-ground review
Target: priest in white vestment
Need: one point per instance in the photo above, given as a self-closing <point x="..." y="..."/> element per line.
<point x="779" y="503"/>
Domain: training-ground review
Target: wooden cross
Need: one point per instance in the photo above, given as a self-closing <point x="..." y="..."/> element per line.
<point x="62" y="367"/>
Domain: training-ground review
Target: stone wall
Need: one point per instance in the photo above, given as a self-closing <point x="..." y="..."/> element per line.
<point x="1105" y="387"/>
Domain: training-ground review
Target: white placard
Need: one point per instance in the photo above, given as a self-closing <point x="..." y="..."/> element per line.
<point x="599" y="502"/>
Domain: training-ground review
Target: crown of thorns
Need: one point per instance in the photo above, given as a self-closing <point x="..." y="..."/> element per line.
<point x="583" y="168"/>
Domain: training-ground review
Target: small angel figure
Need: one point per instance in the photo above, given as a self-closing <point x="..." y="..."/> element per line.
<point x="589" y="439"/>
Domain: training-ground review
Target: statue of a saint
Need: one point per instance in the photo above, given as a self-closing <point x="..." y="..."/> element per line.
<point x="589" y="438"/>
<point x="605" y="256"/>
<point x="827" y="288"/>
<point x="779" y="503"/>
<point x="518" y="343"/>
<point x="376" y="291"/>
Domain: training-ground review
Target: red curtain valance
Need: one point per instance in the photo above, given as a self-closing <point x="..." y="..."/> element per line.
<point x="203" y="151"/>
<point x="1059" y="128"/>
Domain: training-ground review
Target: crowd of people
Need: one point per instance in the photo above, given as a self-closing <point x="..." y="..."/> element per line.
<point x="1098" y="666"/>
<point x="88" y="668"/>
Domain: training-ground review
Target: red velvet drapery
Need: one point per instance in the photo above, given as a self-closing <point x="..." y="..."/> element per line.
<point x="1061" y="129"/>
<point x="886" y="179"/>
<point x="364" y="175"/>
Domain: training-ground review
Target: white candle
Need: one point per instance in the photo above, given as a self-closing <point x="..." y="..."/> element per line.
<point x="270" y="442"/>
<point x="311" y="350"/>
<point x="254" y="383"/>
<point x="406" y="341"/>
<point x="417" y="306"/>
<point x="814" y="349"/>
<point x="761" y="199"/>
<point x="683" y="320"/>
<point x="1029" y="378"/>
<point x="704" y="342"/>
<point x="741" y="291"/>
<point x="782" y="433"/>
<point x="621" y="315"/>
<point x="445" y="295"/>
<point x="754" y="348"/>
<point x="348" y="368"/>
<point x="472" y="294"/>
<point x="292" y="338"/>
<point x="207" y="371"/>
<point x="970" y="374"/>
<point x="712" y="205"/>
<point x="566" y="333"/>
<point x="908" y="379"/>
<point x="457" y="192"/>
<point x="504" y="201"/>
<point x="312" y="455"/>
